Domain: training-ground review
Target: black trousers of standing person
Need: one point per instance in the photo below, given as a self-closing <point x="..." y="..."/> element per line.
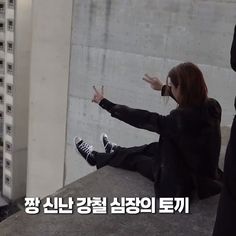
<point x="141" y="159"/>
<point x="226" y="214"/>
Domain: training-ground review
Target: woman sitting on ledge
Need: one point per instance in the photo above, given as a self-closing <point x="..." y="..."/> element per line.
<point x="185" y="160"/>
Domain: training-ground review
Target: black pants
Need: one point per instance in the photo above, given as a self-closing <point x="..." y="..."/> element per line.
<point x="226" y="214"/>
<point x="140" y="159"/>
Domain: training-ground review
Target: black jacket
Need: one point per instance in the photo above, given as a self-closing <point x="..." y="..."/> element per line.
<point x="189" y="146"/>
<point x="233" y="56"/>
<point x="226" y="213"/>
<point x="233" y="51"/>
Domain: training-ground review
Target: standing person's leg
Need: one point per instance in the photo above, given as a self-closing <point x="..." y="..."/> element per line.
<point x="226" y="213"/>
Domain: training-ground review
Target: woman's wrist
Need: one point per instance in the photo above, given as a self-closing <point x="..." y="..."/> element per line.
<point x="106" y="104"/>
<point x="100" y="100"/>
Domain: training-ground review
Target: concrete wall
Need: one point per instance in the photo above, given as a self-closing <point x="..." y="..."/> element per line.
<point x="115" y="42"/>
<point x="51" y="34"/>
<point x="21" y="96"/>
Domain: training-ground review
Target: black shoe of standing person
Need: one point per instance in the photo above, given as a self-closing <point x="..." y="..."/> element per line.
<point x="108" y="146"/>
<point x="85" y="150"/>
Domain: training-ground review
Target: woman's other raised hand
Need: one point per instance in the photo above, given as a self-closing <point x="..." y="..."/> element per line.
<point x="154" y="82"/>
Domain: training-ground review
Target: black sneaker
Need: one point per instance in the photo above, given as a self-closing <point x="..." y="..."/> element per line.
<point x="109" y="146"/>
<point x="85" y="150"/>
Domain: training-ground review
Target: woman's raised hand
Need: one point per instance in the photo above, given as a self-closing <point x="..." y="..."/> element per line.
<point x="154" y="82"/>
<point x="98" y="96"/>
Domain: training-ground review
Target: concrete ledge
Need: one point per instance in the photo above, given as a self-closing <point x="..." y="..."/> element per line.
<point x="110" y="182"/>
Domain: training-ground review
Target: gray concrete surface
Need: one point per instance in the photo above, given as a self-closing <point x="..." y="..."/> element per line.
<point x="110" y="182"/>
<point x="49" y="75"/>
<point x="115" y="42"/>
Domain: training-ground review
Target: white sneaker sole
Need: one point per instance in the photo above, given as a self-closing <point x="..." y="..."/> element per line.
<point x="74" y="143"/>
<point x="101" y="137"/>
<point x="75" y="147"/>
<point x="104" y="146"/>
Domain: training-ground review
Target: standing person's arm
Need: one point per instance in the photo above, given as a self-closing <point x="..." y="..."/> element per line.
<point x="233" y="52"/>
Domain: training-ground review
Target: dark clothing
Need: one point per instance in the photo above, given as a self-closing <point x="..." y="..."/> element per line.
<point x="226" y="213"/>
<point x="187" y="156"/>
<point x="233" y="51"/>
<point x="233" y="56"/>
<point x="140" y="159"/>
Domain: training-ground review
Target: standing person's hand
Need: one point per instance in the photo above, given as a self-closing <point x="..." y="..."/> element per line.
<point x="154" y="82"/>
<point x="98" y="96"/>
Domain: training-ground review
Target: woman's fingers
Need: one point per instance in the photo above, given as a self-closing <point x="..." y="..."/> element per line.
<point x="146" y="75"/>
<point x="98" y="96"/>
<point x="147" y="80"/>
<point x="154" y="82"/>
<point x="96" y="91"/>
<point x="95" y="99"/>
